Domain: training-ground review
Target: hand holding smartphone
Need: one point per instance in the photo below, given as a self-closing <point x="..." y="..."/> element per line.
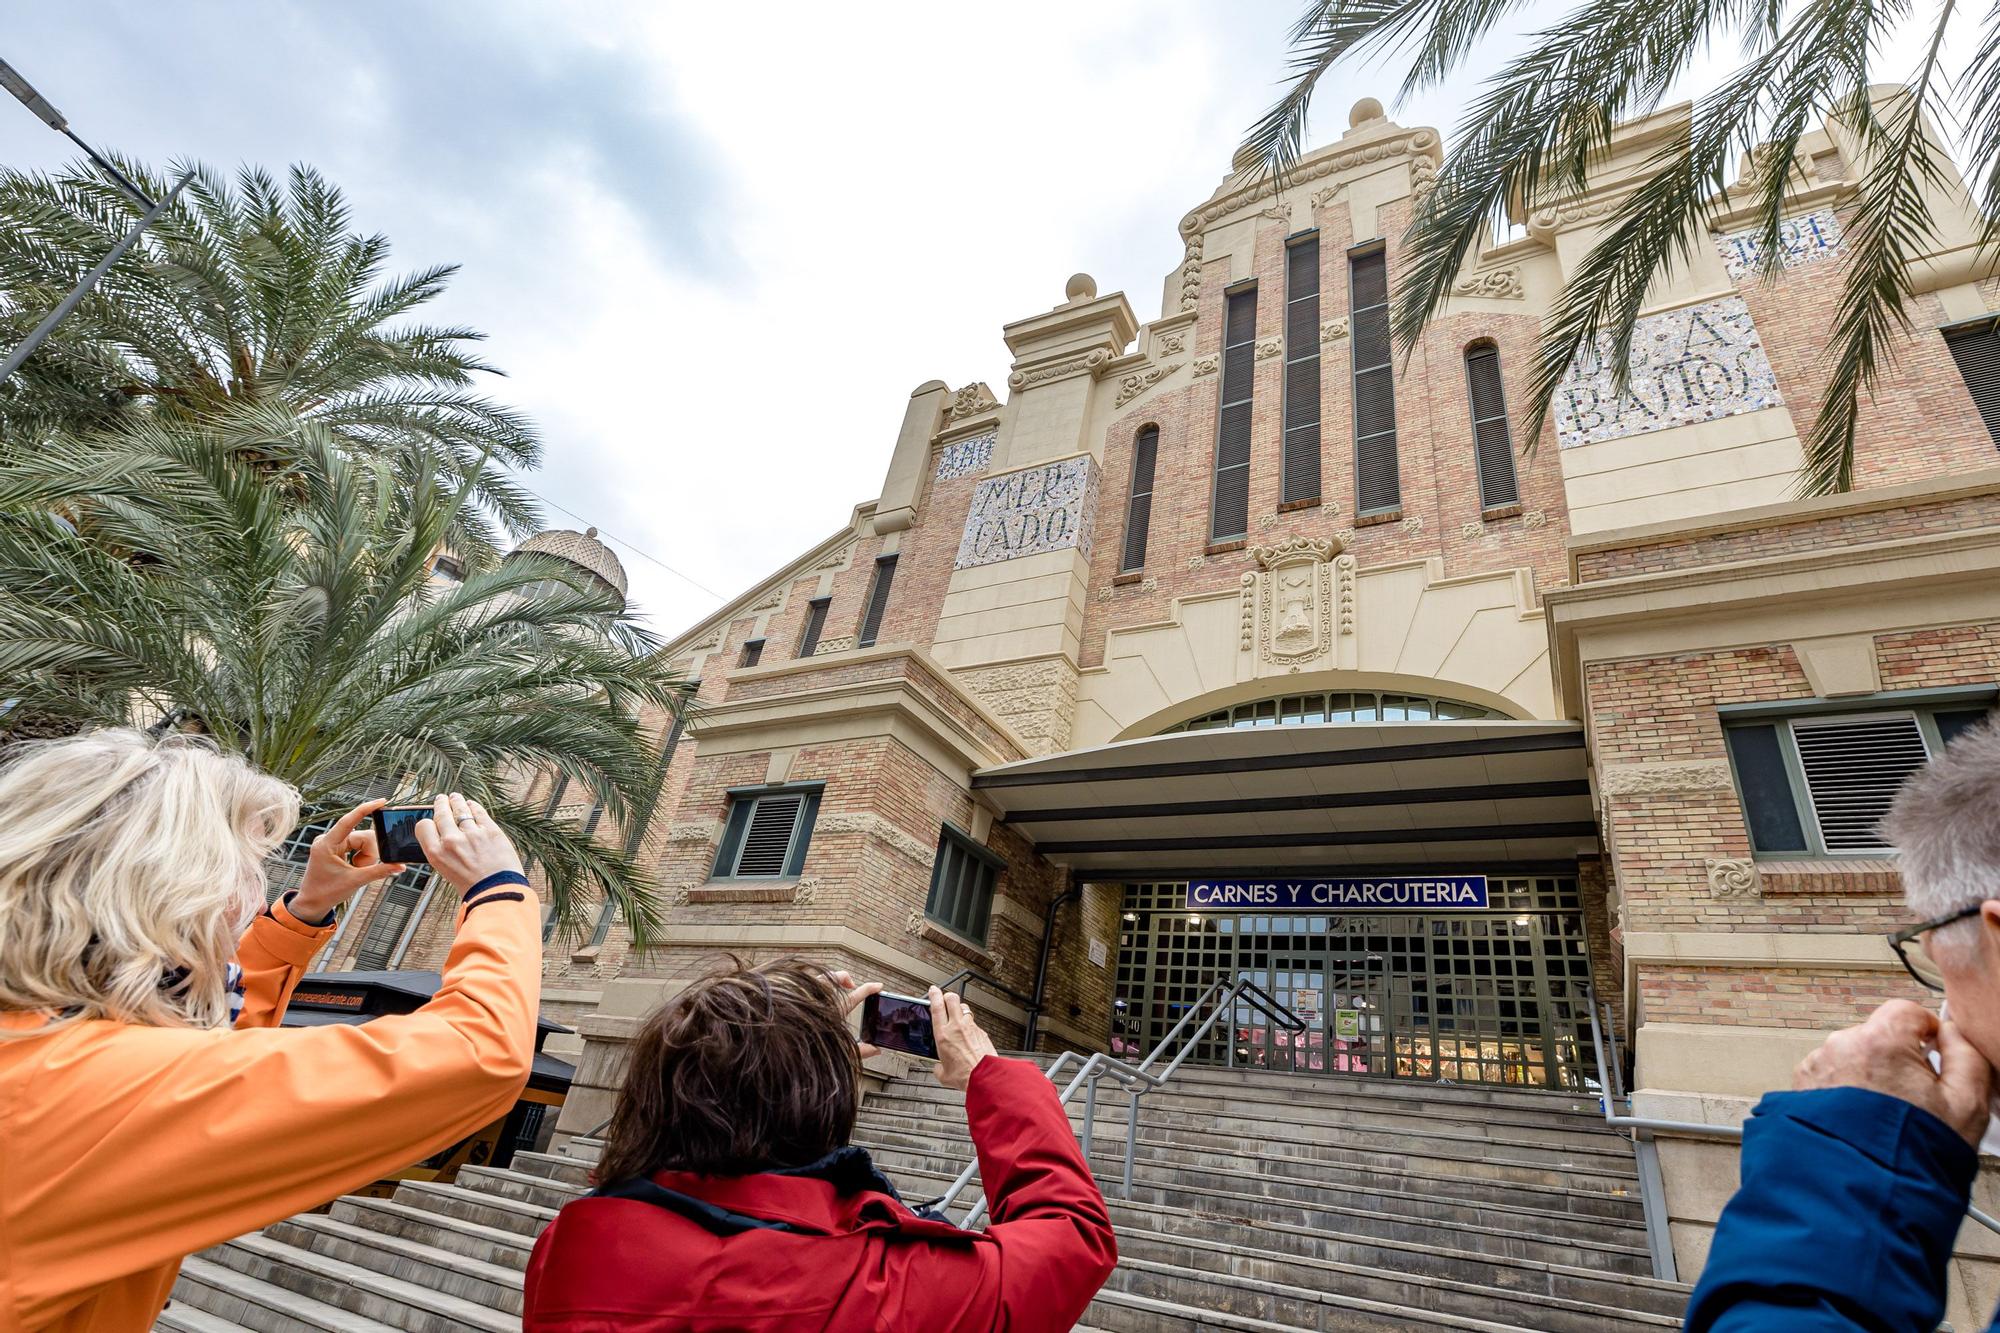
<point x="396" y="833"/>
<point x="899" y="1023"/>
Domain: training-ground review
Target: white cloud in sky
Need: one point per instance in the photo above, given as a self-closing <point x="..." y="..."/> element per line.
<point x="715" y="246"/>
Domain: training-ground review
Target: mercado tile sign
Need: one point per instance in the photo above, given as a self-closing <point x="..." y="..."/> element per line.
<point x="1805" y="239"/>
<point x="1037" y="509"/>
<point x="1699" y="363"/>
<point x="1381" y="894"/>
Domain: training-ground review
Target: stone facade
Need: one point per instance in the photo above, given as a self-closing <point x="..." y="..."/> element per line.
<point x="1656" y="572"/>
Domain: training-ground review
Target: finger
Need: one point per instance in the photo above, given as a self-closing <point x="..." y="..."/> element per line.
<point x="444" y="820"/>
<point x="954" y="1008"/>
<point x="1961" y="1068"/>
<point x="867" y="1050"/>
<point x="342" y="827"/>
<point x="380" y="870"/>
<point x="459" y="809"/>
<point x="1904" y="1021"/>
<point x="860" y="993"/>
<point x="939" y="1017"/>
<point x="486" y="821"/>
<point x="362" y="848"/>
<point x="844" y="980"/>
<point x="428" y="837"/>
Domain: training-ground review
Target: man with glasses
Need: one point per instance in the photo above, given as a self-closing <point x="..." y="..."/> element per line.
<point x="1854" y="1184"/>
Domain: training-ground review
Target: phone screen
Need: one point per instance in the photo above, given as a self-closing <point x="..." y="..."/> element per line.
<point x="899" y="1023"/>
<point x="396" y="833"/>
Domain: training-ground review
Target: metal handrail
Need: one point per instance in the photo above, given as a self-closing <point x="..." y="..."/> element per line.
<point x="1641" y="1129"/>
<point x="965" y="976"/>
<point x="1137" y="1080"/>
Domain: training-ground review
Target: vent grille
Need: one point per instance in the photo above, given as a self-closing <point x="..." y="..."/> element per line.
<point x="767" y="843"/>
<point x="1139" y="513"/>
<point x="1977" y="351"/>
<point x="1377" y="481"/>
<point x="1853" y="769"/>
<point x="1300" y="477"/>
<point x="1492" y="446"/>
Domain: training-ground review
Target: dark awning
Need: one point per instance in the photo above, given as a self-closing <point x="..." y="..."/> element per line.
<point x="1301" y="798"/>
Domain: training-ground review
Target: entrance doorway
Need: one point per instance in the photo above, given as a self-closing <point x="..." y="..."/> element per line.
<point x="1490" y="996"/>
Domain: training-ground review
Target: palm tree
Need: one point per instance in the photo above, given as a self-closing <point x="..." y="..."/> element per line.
<point x="246" y="295"/>
<point x="286" y="607"/>
<point x="1534" y="128"/>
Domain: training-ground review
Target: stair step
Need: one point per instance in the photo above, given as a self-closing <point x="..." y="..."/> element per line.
<point x="1138" y="1312"/>
<point x="456" y="1236"/>
<point x="245" y="1301"/>
<point x="494" y="1286"/>
<point x="363" y="1291"/>
<point x="476" y="1206"/>
<point x="177" y="1318"/>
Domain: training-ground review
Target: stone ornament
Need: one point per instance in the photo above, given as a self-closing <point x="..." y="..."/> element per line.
<point x="1247" y="637"/>
<point x="1191" y="272"/>
<point x="1321" y="198"/>
<point x="1421" y="143"/>
<point x="839" y="559"/>
<point x="1333" y="330"/>
<point x="1056" y="370"/>
<point x="1471" y="531"/>
<point x="1270" y="347"/>
<point x="966" y="457"/>
<point x="1197" y="561"/>
<point x="914" y="923"/>
<point x="1699" y="363"/>
<point x="805" y="892"/>
<point x="873" y="825"/>
<point x="703" y="832"/>
<point x="974" y="400"/>
<point x="1343" y="574"/>
<point x="1534" y="518"/>
<point x="771" y="600"/>
<point x="1734" y="877"/>
<point x="1499" y="284"/>
<point x="1172" y="344"/>
<point x="681" y="893"/>
<point x="1135" y="384"/>
<point x="838" y="643"/>
<point x="1206" y="365"/>
<point x="1806" y="239"/>
<point x="1049" y="507"/>
<point x="1665" y="779"/>
<point x="1414" y="523"/>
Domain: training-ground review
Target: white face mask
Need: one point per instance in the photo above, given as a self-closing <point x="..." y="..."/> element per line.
<point x="1990" y="1141"/>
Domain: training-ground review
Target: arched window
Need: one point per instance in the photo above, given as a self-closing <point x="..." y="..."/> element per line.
<point x="1338" y="706"/>
<point x="1492" y="447"/>
<point x="1139" y="507"/>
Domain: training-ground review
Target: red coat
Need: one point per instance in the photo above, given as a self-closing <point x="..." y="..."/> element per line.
<point x="831" y="1247"/>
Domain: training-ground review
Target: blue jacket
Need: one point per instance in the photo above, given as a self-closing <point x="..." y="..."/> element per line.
<point x="1845" y="1219"/>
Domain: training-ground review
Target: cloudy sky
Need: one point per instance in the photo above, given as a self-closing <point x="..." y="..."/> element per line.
<point x="715" y="245"/>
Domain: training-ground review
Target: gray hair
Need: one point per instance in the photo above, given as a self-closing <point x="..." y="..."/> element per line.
<point x="1946" y="824"/>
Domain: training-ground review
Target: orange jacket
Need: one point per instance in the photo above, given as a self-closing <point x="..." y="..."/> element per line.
<point x="125" y="1148"/>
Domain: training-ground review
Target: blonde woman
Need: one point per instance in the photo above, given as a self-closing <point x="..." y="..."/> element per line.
<point x="137" y="1125"/>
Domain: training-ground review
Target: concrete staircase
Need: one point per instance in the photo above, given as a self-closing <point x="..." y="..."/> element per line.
<point x="1261" y="1202"/>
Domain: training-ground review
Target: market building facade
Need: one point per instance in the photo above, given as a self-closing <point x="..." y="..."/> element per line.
<point x="1236" y="642"/>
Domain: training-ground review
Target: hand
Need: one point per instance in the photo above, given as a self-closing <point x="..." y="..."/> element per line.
<point x="960" y="1041"/>
<point x="463" y="843"/>
<point x="1888" y="1054"/>
<point x="851" y="1000"/>
<point x="342" y="860"/>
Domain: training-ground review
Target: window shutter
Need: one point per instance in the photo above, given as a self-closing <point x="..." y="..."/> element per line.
<point x="1492" y="449"/>
<point x="395" y="912"/>
<point x="878" y="601"/>
<point x="1769" y="805"/>
<point x="1300" y="479"/>
<point x="1977" y="351"/>
<point x="962" y="880"/>
<point x="767" y="842"/>
<point x="815" y="622"/>
<point x="1853" y="768"/>
<point x="1229" y="515"/>
<point x="1377" y="483"/>
<point x="1139" y="512"/>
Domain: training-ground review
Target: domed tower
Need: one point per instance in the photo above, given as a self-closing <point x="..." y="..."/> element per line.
<point x="583" y="550"/>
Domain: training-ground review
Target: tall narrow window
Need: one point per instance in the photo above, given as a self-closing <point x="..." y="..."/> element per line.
<point x="1139" y="509"/>
<point x="1378" y="487"/>
<point x="1976" y="348"/>
<point x="962" y="879"/>
<point x="1492" y="449"/>
<point x="815" y="622"/>
<point x="878" y="601"/>
<point x="1229" y="514"/>
<point x="1300" y="483"/>
<point x="753" y="652"/>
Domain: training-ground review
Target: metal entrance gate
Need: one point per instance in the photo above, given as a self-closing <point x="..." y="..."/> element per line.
<point x="1494" y="996"/>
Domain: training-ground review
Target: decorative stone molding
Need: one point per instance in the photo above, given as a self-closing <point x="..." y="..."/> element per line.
<point x="1471" y="531"/>
<point x="1270" y="347"/>
<point x="913" y="924"/>
<point x="1087" y="363"/>
<point x="1693" y="775"/>
<point x="964" y="458"/>
<point x="806" y="891"/>
<point x="1496" y="284"/>
<point x="1333" y="330"/>
<point x="771" y="600"/>
<point x="1414" y="523"/>
<point x="1733" y="878"/>
<point x="839" y="643"/>
<point x="1345" y="537"/>
<point x="1343" y="574"/>
<point x="1534" y="518"/>
<point x="1206" y="365"/>
<point x="1191" y="271"/>
<point x="679" y="894"/>
<point x="975" y="399"/>
<point x="708" y="641"/>
<point x="1423" y="177"/>
<point x="704" y="832"/>
<point x="1037" y="700"/>
<point x="1172" y="344"/>
<point x="1247" y="615"/>
<point x="1316" y="548"/>
<point x="1287" y="610"/>
<point x="1197" y="561"/>
<point x="872" y="825"/>
<point x="1321" y="198"/>
<point x="1133" y="385"/>
<point x="839" y="559"/>
<point x="1568" y="211"/>
<point x="1423" y="143"/>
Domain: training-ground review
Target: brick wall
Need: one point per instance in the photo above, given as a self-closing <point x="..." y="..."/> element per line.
<point x="1783" y="997"/>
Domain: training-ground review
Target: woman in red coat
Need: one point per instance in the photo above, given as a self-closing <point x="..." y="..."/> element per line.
<point x="730" y="1199"/>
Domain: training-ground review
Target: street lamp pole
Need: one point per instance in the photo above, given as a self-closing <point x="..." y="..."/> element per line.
<point x="12" y="81"/>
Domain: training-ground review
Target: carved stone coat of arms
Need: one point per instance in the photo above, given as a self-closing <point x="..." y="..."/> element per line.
<point x="1288" y="611"/>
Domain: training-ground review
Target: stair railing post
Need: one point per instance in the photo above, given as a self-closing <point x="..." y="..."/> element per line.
<point x="1653" y="1203"/>
<point x="1131" y="1135"/>
<point x="1090" y="1116"/>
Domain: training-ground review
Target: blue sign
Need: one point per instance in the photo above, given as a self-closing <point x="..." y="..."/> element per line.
<point x="1395" y="894"/>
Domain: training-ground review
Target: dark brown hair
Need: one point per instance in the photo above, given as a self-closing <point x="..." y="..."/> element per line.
<point x="748" y="1069"/>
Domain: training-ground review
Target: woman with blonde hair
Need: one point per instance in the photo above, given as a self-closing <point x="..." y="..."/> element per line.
<point x="139" y="1121"/>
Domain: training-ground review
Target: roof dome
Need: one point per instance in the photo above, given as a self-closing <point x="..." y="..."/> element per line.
<point x="582" y="549"/>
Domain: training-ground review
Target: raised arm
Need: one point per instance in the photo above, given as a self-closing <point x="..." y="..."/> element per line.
<point x="163" y="1141"/>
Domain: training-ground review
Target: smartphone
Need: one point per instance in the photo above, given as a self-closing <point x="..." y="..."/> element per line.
<point x="899" y="1023"/>
<point x="396" y="833"/>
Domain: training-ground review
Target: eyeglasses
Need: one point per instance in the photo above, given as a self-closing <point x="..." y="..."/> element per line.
<point x="1917" y="960"/>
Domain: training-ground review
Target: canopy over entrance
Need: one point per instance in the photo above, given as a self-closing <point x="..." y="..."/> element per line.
<point x="1286" y="800"/>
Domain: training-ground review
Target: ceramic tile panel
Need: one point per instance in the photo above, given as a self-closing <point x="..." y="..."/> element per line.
<point x="964" y="458"/>
<point x="1036" y="509"/>
<point x="1802" y="240"/>
<point x="1699" y="363"/>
